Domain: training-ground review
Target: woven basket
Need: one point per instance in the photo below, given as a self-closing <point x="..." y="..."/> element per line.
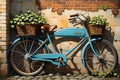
<point x="28" y="29"/>
<point x="95" y="30"/>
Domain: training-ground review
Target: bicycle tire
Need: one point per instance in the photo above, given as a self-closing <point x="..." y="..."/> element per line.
<point x="105" y="65"/>
<point x="20" y="63"/>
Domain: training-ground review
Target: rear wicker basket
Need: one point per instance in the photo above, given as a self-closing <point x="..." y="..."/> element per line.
<point x="95" y="30"/>
<point x="28" y="29"/>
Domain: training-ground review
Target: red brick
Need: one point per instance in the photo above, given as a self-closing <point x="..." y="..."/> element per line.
<point x="93" y="5"/>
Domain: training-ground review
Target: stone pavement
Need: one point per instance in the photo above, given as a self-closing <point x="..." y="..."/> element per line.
<point x="59" y="77"/>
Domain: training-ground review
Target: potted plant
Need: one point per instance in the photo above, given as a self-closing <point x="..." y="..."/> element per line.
<point x="97" y="24"/>
<point x="28" y="22"/>
<point x="105" y="7"/>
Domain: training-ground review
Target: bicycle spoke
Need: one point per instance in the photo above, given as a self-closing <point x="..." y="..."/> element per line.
<point x="22" y="46"/>
<point x="32" y="68"/>
<point x="109" y="63"/>
<point x="31" y="46"/>
<point x="37" y="49"/>
<point x="25" y="45"/>
<point x="102" y="49"/>
<point x="18" y="52"/>
<point x="18" y="63"/>
<point x="97" y="47"/>
<point x="98" y="68"/>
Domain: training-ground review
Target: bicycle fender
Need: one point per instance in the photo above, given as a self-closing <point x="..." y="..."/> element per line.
<point x="13" y="43"/>
<point x="84" y="48"/>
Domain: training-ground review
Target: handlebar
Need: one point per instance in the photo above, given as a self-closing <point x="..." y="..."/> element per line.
<point x="73" y="15"/>
<point x="76" y="19"/>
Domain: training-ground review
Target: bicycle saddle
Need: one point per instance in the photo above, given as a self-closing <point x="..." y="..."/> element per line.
<point x="48" y="27"/>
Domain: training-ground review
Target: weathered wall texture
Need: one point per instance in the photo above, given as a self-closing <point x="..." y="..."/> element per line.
<point x="51" y="9"/>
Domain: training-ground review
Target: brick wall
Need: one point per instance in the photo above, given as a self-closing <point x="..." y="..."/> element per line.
<point x="91" y="5"/>
<point x="3" y="34"/>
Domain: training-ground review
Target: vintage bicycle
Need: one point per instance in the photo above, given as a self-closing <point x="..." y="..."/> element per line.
<point x="28" y="54"/>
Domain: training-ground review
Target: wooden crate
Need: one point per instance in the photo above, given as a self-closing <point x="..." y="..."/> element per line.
<point x="95" y="30"/>
<point x="28" y="29"/>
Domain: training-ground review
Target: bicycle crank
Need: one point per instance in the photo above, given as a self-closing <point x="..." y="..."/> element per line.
<point x="60" y="62"/>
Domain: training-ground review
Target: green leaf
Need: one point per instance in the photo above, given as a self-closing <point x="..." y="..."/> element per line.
<point x="11" y="22"/>
<point x="12" y="26"/>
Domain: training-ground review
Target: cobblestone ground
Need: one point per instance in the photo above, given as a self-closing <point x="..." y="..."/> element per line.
<point x="58" y="77"/>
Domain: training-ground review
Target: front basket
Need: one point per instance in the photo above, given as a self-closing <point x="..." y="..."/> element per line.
<point x="28" y="29"/>
<point x="95" y="30"/>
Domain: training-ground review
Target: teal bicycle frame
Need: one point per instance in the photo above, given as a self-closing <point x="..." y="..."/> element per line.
<point x="67" y="32"/>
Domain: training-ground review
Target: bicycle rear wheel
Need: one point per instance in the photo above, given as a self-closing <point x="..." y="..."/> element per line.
<point x="18" y="56"/>
<point x="106" y="64"/>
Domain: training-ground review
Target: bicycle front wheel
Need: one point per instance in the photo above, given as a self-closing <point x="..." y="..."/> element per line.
<point x="18" y="56"/>
<point x="108" y="61"/>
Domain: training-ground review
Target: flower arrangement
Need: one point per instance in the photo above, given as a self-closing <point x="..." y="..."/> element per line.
<point x="99" y="20"/>
<point x="97" y="25"/>
<point x="29" y="17"/>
